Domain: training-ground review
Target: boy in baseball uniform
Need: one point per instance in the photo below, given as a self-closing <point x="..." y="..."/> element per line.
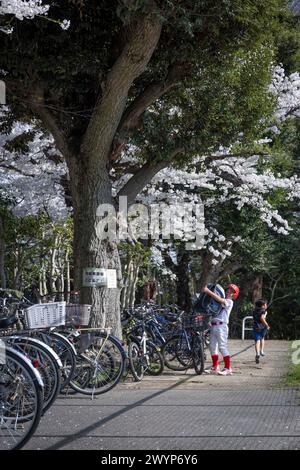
<point x="219" y="330"/>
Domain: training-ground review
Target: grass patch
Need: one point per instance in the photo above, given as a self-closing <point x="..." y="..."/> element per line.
<point x="292" y="378"/>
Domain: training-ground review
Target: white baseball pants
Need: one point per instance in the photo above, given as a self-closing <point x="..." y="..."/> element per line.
<point x="218" y="340"/>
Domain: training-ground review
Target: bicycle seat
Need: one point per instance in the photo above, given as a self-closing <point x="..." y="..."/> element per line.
<point x="5" y="322"/>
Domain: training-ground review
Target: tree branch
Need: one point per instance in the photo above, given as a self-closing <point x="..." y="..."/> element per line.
<point x="291" y="112"/>
<point x="273" y="288"/>
<point x="110" y="106"/>
<point x="230" y="268"/>
<point x="37" y="105"/>
<point x="132" y="117"/>
<point x="34" y="98"/>
<point x="231" y="178"/>
<point x="279" y="298"/>
<point x="144" y="175"/>
<point x="17" y="170"/>
<point x="211" y="158"/>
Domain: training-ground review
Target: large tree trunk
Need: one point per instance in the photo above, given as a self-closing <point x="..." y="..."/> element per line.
<point x="89" y="178"/>
<point x="91" y="249"/>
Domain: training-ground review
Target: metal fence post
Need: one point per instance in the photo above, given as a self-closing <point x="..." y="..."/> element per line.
<point x="244" y="328"/>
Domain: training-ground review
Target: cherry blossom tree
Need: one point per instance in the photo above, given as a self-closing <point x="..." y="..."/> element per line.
<point x="32" y="177"/>
<point x="23" y="8"/>
<point x="210" y="59"/>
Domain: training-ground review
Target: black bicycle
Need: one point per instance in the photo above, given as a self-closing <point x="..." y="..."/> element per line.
<point x="186" y="349"/>
<point x="143" y="355"/>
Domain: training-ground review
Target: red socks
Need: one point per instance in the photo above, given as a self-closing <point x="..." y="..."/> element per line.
<point x="227" y="362"/>
<point x="215" y="360"/>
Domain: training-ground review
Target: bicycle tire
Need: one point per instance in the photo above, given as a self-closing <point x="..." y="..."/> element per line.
<point x="176" y="354"/>
<point x="18" y="366"/>
<point x="198" y="354"/>
<point x="135" y="358"/>
<point x="65" y="352"/>
<point x="156" y="361"/>
<point x="106" y="370"/>
<point x="48" y="366"/>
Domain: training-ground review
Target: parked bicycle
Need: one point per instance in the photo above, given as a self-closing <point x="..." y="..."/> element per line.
<point x="51" y="350"/>
<point x="143" y="355"/>
<point x="21" y="399"/>
<point x="186" y="349"/>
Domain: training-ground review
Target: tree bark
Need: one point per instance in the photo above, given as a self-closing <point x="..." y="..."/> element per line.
<point x="210" y="273"/>
<point x="92" y="249"/>
<point x="89" y="178"/>
<point x="133" y="285"/>
<point x="43" y="280"/>
<point x="68" y="275"/>
<point x="125" y="294"/>
<point x="53" y="266"/>
<point x="257" y="286"/>
<point x="18" y="267"/>
<point x="132" y="118"/>
<point x="144" y="175"/>
<point x="130" y="64"/>
<point x="183" y="286"/>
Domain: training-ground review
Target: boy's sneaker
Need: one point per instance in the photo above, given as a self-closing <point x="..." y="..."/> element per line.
<point x="257" y="359"/>
<point x="225" y="372"/>
<point x="212" y="370"/>
<point x="262" y="353"/>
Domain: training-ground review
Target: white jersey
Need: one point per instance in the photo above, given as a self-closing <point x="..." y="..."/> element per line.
<point x="223" y="316"/>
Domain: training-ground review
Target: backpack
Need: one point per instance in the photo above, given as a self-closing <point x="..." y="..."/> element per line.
<point x="204" y="303"/>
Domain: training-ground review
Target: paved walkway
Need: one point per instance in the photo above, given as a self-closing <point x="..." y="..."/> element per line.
<point x="249" y="410"/>
<point x="247" y="374"/>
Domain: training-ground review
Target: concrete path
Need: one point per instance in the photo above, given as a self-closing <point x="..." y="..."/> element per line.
<point x="247" y="374"/>
<point x="249" y="410"/>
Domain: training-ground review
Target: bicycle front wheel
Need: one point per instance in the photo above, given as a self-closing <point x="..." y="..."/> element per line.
<point x="21" y="401"/>
<point x="100" y="367"/>
<point x="46" y="362"/>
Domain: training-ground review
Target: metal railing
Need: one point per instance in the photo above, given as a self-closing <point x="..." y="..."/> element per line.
<point x="246" y="328"/>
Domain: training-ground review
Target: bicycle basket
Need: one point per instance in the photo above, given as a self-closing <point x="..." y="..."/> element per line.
<point x="78" y="314"/>
<point x="45" y="315"/>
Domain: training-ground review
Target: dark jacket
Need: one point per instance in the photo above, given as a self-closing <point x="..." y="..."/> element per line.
<point x="257" y="324"/>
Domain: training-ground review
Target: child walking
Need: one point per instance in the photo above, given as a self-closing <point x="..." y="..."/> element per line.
<point x="219" y="330"/>
<point x="260" y="327"/>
